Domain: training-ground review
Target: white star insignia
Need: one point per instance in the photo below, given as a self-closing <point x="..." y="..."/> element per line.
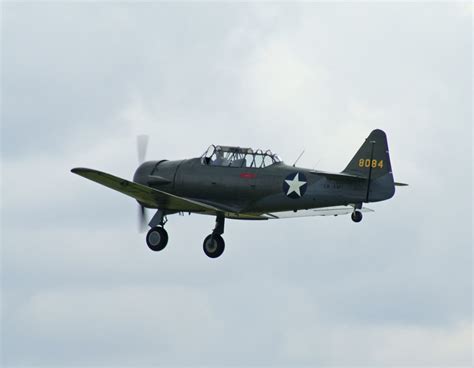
<point x="295" y="185"/>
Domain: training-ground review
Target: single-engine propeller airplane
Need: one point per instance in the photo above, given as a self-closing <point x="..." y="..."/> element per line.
<point x="245" y="184"/>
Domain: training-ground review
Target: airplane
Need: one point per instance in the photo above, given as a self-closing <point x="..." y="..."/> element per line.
<point x="246" y="184"/>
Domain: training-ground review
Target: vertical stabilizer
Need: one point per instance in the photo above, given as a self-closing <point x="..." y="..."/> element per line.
<point x="372" y="161"/>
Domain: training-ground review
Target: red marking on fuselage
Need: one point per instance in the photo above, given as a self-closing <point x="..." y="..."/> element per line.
<point x="248" y="175"/>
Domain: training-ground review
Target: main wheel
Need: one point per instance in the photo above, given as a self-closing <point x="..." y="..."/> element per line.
<point x="213" y="245"/>
<point x="157" y="238"/>
<point x="356" y="216"/>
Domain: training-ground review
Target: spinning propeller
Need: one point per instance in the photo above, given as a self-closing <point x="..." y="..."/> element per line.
<point x="142" y="145"/>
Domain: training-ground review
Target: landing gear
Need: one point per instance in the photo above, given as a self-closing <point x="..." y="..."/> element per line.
<point x="214" y="244"/>
<point x="357" y="216"/>
<point x="157" y="238"/>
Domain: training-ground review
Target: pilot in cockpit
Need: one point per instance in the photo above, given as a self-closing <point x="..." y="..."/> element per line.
<point x="220" y="160"/>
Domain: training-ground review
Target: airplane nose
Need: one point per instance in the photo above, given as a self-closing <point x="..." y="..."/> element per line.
<point x="149" y="175"/>
<point x="143" y="172"/>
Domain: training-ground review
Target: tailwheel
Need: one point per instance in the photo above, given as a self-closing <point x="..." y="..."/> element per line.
<point x="157" y="238"/>
<point x="356" y="216"/>
<point x="214" y="245"/>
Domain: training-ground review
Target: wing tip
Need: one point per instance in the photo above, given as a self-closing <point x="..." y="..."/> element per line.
<point x="83" y="171"/>
<point x="76" y="170"/>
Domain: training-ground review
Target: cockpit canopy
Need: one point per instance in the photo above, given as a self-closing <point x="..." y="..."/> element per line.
<point x="238" y="157"/>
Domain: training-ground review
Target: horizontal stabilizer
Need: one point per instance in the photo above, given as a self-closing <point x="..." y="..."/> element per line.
<point x="400" y="184"/>
<point x="339" y="176"/>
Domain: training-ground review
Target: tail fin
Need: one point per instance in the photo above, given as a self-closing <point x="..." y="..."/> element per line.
<point x="372" y="161"/>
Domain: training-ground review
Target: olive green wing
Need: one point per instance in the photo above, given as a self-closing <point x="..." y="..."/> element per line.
<point x="148" y="196"/>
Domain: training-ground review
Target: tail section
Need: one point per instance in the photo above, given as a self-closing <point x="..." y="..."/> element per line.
<point x="372" y="161"/>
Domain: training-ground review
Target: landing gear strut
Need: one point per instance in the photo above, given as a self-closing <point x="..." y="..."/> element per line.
<point x="214" y="244"/>
<point x="157" y="236"/>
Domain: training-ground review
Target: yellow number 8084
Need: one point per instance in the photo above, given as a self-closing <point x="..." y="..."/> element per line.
<point x="371" y="163"/>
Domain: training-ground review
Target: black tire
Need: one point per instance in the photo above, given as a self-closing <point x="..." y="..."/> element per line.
<point x="356" y="216"/>
<point x="213" y="245"/>
<point x="156" y="239"/>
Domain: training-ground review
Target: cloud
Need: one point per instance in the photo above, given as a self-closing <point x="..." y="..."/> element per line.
<point x="71" y="324"/>
<point x="154" y="325"/>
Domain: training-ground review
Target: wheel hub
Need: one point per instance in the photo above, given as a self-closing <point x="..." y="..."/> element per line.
<point x="154" y="238"/>
<point x="211" y="245"/>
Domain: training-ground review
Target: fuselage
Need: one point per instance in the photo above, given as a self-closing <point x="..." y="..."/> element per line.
<point x="274" y="188"/>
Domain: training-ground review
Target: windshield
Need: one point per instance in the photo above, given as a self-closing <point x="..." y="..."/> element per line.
<point x="238" y="157"/>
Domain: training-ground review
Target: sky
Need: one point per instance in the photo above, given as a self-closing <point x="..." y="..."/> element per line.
<point x="79" y="82"/>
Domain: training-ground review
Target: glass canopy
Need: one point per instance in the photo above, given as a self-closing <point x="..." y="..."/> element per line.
<point x="238" y="157"/>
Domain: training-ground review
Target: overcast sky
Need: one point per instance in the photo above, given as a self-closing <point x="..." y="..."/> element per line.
<point x="81" y="80"/>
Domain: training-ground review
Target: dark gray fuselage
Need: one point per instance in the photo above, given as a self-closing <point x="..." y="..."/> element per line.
<point x="256" y="190"/>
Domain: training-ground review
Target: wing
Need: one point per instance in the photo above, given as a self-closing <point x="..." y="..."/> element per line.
<point x="149" y="196"/>
<point x="336" y="176"/>
<point x="326" y="211"/>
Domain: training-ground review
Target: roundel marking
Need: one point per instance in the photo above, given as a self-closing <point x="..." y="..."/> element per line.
<point x="295" y="185"/>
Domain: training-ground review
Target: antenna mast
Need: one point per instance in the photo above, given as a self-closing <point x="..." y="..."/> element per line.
<point x="301" y="154"/>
